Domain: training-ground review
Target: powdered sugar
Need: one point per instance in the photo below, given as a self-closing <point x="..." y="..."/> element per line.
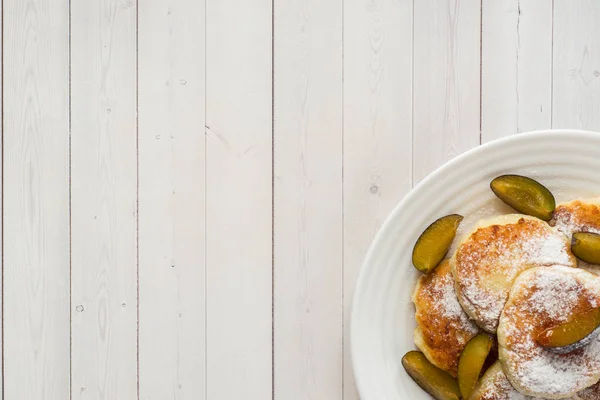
<point x="443" y="327"/>
<point x="569" y="225"/>
<point x="496" y="386"/>
<point x="442" y="303"/>
<point x="485" y="305"/>
<point x="591" y="393"/>
<point x="549" y="249"/>
<point x="549" y="373"/>
<point x="577" y="216"/>
<point x="438" y="294"/>
<point x="566" y="225"/>
<point x="542" y="297"/>
<point x="558" y="297"/>
<point x="449" y="306"/>
<point x="491" y="259"/>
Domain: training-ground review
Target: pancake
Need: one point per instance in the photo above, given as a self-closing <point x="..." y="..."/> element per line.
<point x="494" y="385"/>
<point x="579" y="216"/>
<point x="494" y="253"/>
<point x="443" y="328"/>
<point x="591" y="393"/>
<point x="594" y="269"/>
<point x="541" y="298"/>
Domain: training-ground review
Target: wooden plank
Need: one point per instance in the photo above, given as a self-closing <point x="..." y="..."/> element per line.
<point x="516" y="67"/>
<point x="36" y="204"/>
<point x="446" y="82"/>
<point x="104" y="199"/>
<point x="308" y="200"/>
<point x="576" y="78"/>
<point x="377" y="154"/>
<point x="1" y="216"/>
<point x="171" y="200"/>
<point x="239" y="199"/>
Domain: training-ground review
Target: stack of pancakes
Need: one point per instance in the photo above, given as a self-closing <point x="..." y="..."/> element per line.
<point x="514" y="276"/>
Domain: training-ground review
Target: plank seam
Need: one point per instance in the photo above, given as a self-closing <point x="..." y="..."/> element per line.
<point x="480" y="72"/>
<point x="343" y="242"/>
<point x="137" y="204"/>
<point x="70" y="221"/>
<point x="273" y="199"/>
<point x="2" y="182"/>
<point x="517" y="65"/>
<point x="205" y="214"/>
<point x="552" y="69"/>
<point x="412" y="98"/>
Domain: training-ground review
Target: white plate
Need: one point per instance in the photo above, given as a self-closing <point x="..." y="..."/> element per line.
<point x="566" y="161"/>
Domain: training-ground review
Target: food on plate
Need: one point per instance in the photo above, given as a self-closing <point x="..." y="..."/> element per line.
<point x="525" y="195"/>
<point x="494" y="385"/>
<point x="435" y="381"/>
<point x="586" y="247"/>
<point x="541" y="298"/>
<point x="433" y="244"/>
<point x="471" y="362"/>
<point x="591" y="393"/>
<point x="577" y="216"/>
<point x="577" y="332"/>
<point x="509" y="316"/>
<point x="443" y="328"/>
<point x="490" y="257"/>
<point x="581" y="215"/>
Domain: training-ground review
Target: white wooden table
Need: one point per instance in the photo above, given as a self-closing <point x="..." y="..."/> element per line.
<point x="190" y="186"/>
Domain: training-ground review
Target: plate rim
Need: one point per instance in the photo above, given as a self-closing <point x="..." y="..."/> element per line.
<point x="385" y="226"/>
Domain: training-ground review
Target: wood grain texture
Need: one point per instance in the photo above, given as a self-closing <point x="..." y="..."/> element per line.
<point x="576" y="78"/>
<point x="274" y="138"/>
<point x="516" y="67"/>
<point x="1" y="216"/>
<point x="171" y="200"/>
<point x="377" y="154"/>
<point x="36" y="199"/>
<point x="104" y="199"/>
<point x="239" y="199"/>
<point x="446" y="82"/>
<point x="308" y="200"/>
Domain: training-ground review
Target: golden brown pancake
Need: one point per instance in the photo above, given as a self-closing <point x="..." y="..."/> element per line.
<point x="591" y="393"/>
<point x="494" y="385"/>
<point x="539" y="299"/>
<point x="577" y="216"/>
<point x="488" y="260"/>
<point x="443" y="328"/>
